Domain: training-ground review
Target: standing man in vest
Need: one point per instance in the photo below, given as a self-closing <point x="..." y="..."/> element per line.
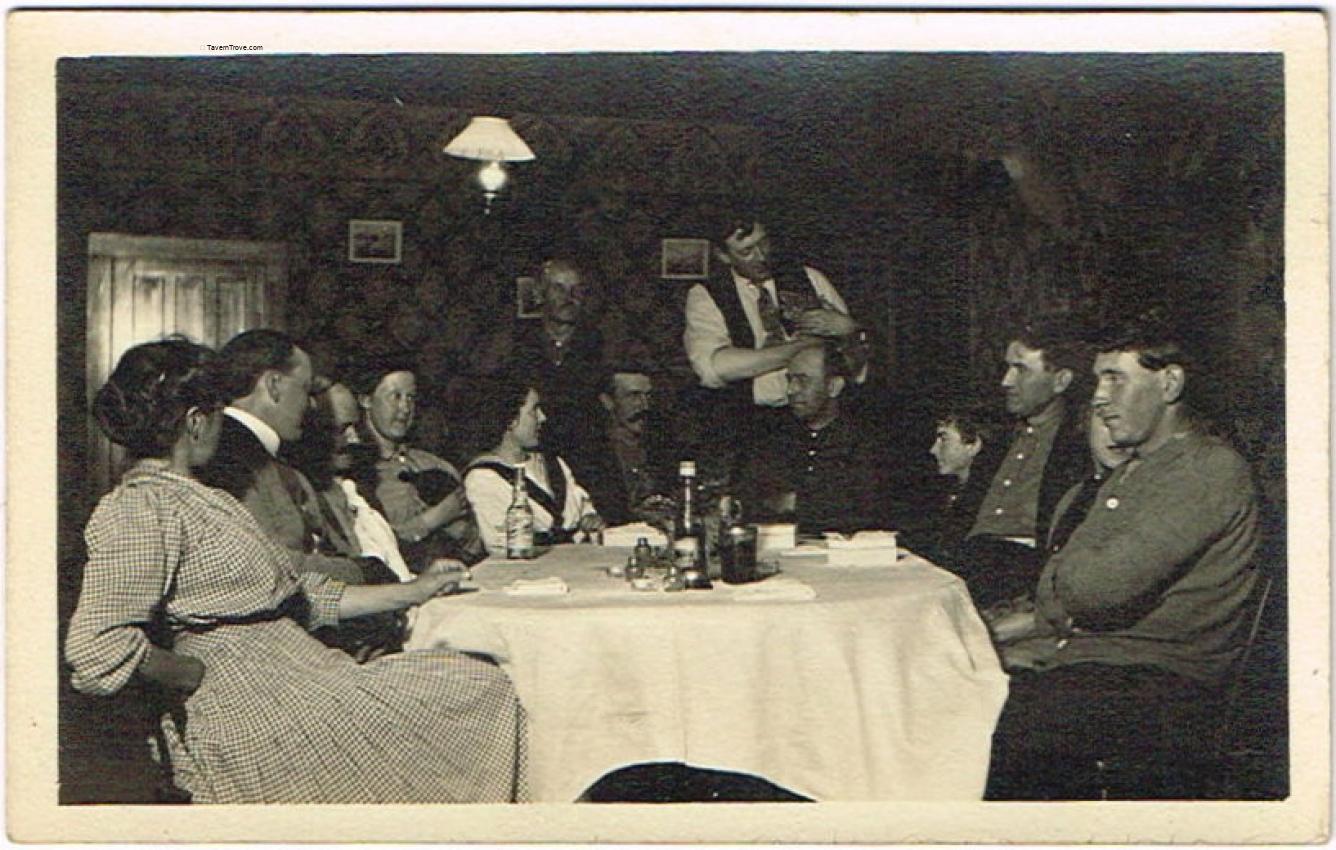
<point x="747" y="321"/>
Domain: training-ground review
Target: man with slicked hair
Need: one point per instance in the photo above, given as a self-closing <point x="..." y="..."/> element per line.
<point x="268" y="380"/>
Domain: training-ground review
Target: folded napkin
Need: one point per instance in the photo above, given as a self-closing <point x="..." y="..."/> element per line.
<point x="861" y="540"/>
<point x="627" y="535"/>
<point x="864" y="549"/>
<point x="778" y="589"/>
<point x="550" y="586"/>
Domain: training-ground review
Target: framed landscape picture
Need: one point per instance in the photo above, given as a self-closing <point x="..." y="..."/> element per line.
<point x="528" y="298"/>
<point x="686" y="259"/>
<point x="375" y="241"/>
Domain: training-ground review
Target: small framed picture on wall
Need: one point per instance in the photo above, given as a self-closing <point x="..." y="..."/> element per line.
<point x="686" y="259"/>
<point x="375" y="241"/>
<point x="528" y="298"/>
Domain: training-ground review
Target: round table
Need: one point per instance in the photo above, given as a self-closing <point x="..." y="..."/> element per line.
<point x="885" y="686"/>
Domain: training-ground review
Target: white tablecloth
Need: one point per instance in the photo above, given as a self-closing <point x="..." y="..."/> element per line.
<point x="884" y="687"/>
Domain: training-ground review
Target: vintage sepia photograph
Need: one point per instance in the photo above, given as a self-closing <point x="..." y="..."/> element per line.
<point x="955" y="471"/>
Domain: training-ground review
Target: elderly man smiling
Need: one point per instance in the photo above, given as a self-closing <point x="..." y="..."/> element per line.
<point x="1140" y="615"/>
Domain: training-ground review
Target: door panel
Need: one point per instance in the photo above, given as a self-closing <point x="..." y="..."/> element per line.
<point x="144" y="288"/>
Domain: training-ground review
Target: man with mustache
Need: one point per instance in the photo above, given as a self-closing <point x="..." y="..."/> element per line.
<point x="334" y="459"/>
<point x="632" y="462"/>
<point x="1001" y="555"/>
<point x="1140" y="615"/>
<point x="562" y="353"/>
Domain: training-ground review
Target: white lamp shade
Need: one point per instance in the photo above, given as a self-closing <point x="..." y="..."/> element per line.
<point x="490" y="140"/>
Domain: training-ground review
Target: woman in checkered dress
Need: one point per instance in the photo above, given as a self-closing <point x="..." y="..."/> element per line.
<point x="271" y="714"/>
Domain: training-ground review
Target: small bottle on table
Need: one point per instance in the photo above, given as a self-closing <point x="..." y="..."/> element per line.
<point x="519" y="521"/>
<point x="689" y="552"/>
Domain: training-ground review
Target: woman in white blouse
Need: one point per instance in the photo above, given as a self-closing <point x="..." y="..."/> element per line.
<point x="560" y="505"/>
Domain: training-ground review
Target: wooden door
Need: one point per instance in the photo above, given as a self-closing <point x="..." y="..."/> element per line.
<point x="142" y="288"/>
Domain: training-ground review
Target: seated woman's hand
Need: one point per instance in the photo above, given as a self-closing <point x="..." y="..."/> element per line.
<point x="1013" y="626"/>
<point x="440" y="578"/>
<point x="181" y="673"/>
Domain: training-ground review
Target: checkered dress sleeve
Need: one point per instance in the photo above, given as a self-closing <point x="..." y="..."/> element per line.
<point x="134" y="547"/>
<point x="324" y="594"/>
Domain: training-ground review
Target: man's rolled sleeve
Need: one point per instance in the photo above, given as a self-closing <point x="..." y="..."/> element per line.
<point x="706" y="333"/>
<point x="825" y="290"/>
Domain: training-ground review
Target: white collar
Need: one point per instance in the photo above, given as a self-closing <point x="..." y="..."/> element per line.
<point x="744" y="282"/>
<point x="267" y="436"/>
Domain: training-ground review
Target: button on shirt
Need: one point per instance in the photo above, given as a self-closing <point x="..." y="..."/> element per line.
<point x="1159" y="573"/>
<point x="706" y="332"/>
<point x="1011" y="505"/>
<point x="833" y="479"/>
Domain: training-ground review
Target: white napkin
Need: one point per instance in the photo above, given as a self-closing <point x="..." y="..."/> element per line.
<point x="864" y="549"/>
<point x="778" y="589"/>
<point x="627" y="535"/>
<point x="550" y="586"/>
<point x="861" y="540"/>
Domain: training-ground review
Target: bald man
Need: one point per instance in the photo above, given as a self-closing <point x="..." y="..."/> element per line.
<point x="830" y="466"/>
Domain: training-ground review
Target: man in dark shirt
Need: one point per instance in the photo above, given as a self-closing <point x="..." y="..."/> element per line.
<point x="562" y="355"/>
<point x="629" y="461"/>
<point x="828" y="468"/>
<point x="1141" y="614"/>
<point x="1048" y="453"/>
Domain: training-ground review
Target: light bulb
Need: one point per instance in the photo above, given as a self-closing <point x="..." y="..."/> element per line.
<point x="492" y="177"/>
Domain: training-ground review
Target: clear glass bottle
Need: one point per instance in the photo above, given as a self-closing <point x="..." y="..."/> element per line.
<point x="689" y="550"/>
<point x="519" y="521"/>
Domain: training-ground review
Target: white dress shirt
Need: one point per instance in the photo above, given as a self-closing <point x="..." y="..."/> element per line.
<point x="707" y="332"/>
<point x="373" y="531"/>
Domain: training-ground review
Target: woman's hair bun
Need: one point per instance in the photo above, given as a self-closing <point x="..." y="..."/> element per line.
<point x="144" y="402"/>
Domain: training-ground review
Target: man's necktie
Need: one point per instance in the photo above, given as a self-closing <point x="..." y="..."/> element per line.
<point x="770" y="320"/>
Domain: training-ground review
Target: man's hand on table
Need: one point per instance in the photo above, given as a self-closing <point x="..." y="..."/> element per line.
<point x="1013" y="626"/>
<point x="1029" y="654"/>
